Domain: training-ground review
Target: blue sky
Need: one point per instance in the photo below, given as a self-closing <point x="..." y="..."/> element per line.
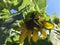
<point x="53" y="7"/>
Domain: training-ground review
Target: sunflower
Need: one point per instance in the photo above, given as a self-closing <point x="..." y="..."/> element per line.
<point x="31" y="28"/>
<point x="27" y="32"/>
<point x="31" y="33"/>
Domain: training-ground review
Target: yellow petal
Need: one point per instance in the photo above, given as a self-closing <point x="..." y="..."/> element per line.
<point x="59" y="24"/>
<point x="23" y="36"/>
<point x="48" y="25"/>
<point x="59" y="18"/>
<point x="29" y="35"/>
<point x="43" y="33"/>
<point x="41" y="18"/>
<point x="22" y="25"/>
<point x="35" y="36"/>
<point x="35" y="28"/>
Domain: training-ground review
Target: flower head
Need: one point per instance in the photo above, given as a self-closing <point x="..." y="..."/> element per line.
<point x="33" y="24"/>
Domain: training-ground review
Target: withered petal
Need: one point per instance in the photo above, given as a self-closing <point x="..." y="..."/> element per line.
<point x="29" y="35"/>
<point x="23" y="36"/>
<point x="35" y="36"/>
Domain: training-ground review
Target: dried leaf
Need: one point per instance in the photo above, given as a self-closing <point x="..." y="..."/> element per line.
<point x="23" y="36"/>
<point x="29" y="35"/>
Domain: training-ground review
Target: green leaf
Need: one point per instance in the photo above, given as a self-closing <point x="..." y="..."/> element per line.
<point x="54" y="16"/>
<point x="5" y="4"/>
<point x="8" y="39"/>
<point x="40" y="3"/>
<point x="26" y="2"/>
<point x="5" y="16"/>
<point x="16" y="38"/>
<point x="47" y="17"/>
<point x="5" y="10"/>
<point x="6" y="13"/>
<point x="1" y="5"/>
<point x="15" y="2"/>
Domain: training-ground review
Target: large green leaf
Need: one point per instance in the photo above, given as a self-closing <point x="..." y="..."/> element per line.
<point x="26" y="2"/>
<point x="5" y="13"/>
<point x="10" y="4"/>
<point x="16" y="4"/>
<point x="47" y="17"/>
<point x="2" y="5"/>
<point x="40" y="3"/>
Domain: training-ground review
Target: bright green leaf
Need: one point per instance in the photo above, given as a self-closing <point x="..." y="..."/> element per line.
<point x="6" y="13"/>
<point x="15" y="2"/>
<point x="26" y="2"/>
<point x="16" y="38"/>
<point x="47" y="17"/>
<point x="41" y="3"/>
<point x="54" y="16"/>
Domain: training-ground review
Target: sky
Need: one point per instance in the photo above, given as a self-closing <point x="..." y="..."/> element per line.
<point x="53" y="6"/>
